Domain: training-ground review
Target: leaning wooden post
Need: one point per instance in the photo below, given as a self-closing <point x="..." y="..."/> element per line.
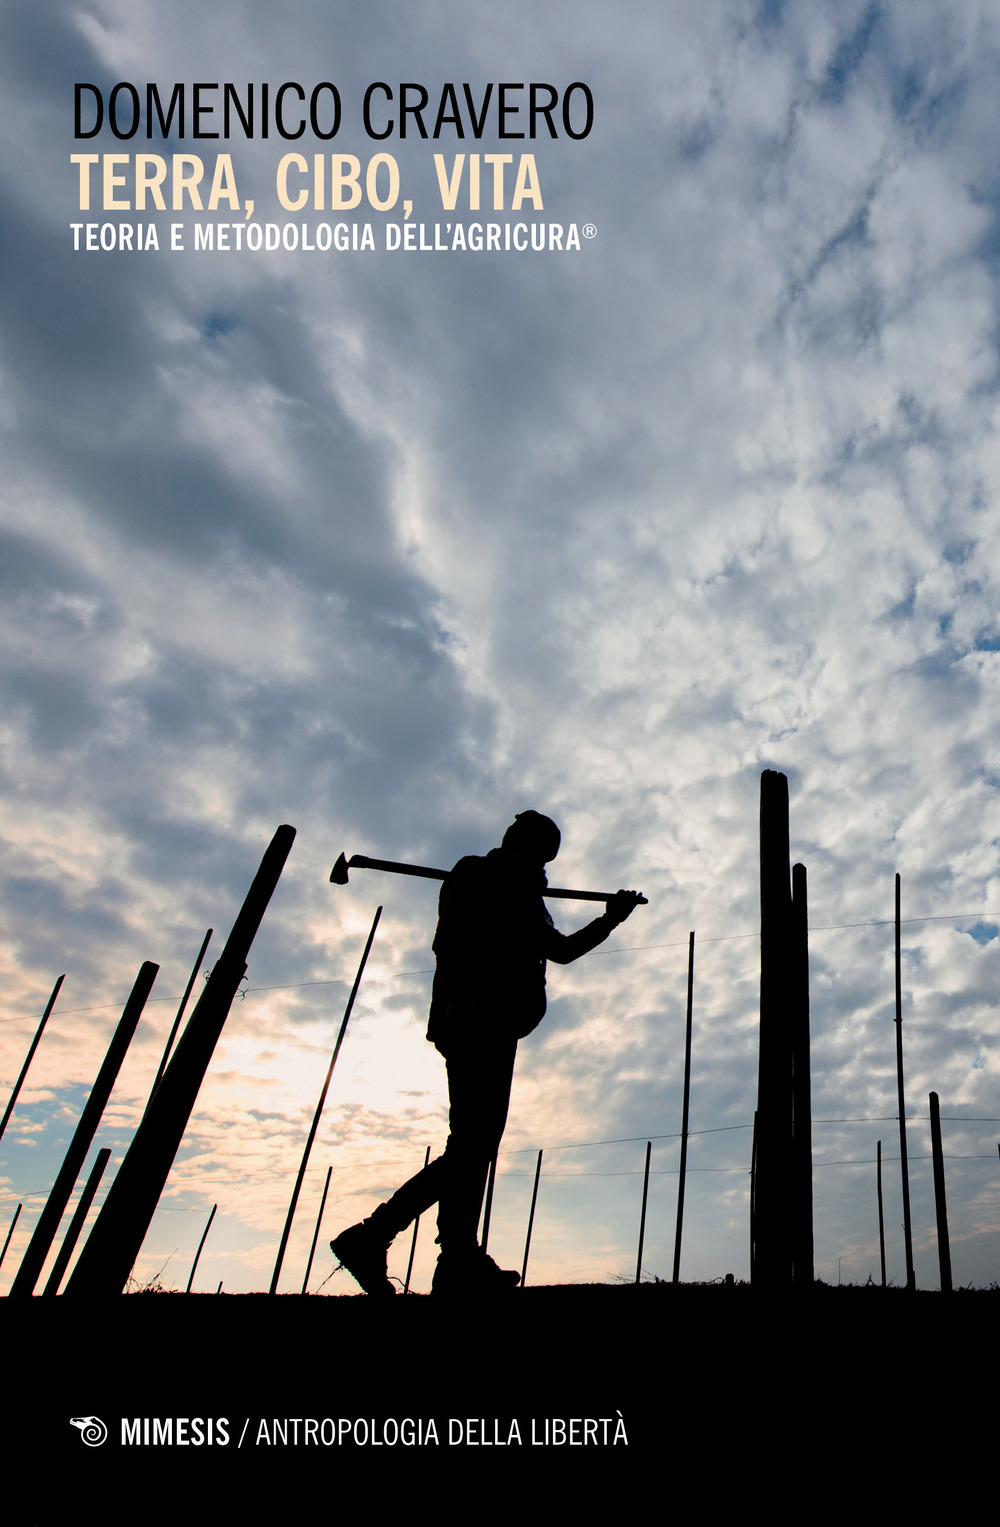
<point x="38" y="1247"/>
<point x="10" y="1232"/>
<point x="413" y="1241"/>
<point x="76" y="1224"/>
<point x="32" y="1048"/>
<point x="940" y="1200"/>
<point x="911" y="1277"/>
<point x="642" y="1215"/>
<point x="531" y="1220"/>
<point x="319" y="1221"/>
<point x="881" y="1217"/>
<point x="319" y="1107"/>
<point x="201" y="1243"/>
<point x="684" y="1115"/>
<point x="116" y="1239"/>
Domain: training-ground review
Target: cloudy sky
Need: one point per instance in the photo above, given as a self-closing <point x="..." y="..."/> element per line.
<point x="391" y="544"/>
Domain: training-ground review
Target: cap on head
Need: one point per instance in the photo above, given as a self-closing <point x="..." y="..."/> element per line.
<point x="533" y="836"/>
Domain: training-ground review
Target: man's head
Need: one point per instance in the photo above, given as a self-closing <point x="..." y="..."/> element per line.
<point x="532" y="836"/>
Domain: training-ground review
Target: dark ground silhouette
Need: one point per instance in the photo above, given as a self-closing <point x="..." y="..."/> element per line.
<point x="722" y="1394"/>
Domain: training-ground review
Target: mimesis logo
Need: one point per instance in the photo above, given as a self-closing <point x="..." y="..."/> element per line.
<point x="91" y="1428"/>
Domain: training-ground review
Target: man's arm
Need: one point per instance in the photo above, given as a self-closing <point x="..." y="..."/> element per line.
<point x="562" y="948"/>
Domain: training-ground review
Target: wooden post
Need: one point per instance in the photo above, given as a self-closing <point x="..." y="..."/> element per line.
<point x="642" y="1215"/>
<point x="31" y="1050"/>
<point x="76" y="1224"/>
<point x="116" y="1240"/>
<point x="881" y="1217"/>
<point x="319" y="1107"/>
<point x="801" y="1206"/>
<point x="531" y="1220"/>
<point x="416" y="1227"/>
<point x="782" y="1246"/>
<point x="684" y="1115"/>
<point x="319" y="1221"/>
<point x="911" y="1278"/>
<point x="38" y="1247"/>
<point x="197" y="1255"/>
<point x="940" y="1200"/>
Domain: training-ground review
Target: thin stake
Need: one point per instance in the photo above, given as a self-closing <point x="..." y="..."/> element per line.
<point x="488" y="1210"/>
<point x="911" y="1278"/>
<point x="319" y="1221"/>
<point x="180" y="1011"/>
<point x="416" y="1227"/>
<point x="881" y="1218"/>
<point x="319" y="1106"/>
<point x="940" y="1200"/>
<point x="531" y="1220"/>
<point x="76" y="1224"/>
<point x="204" y="1238"/>
<point x="219" y="1289"/>
<point x="684" y="1116"/>
<point x="34" y="1046"/>
<point x="10" y="1232"/>
<point x="642" y="1216"/>
<point x="38" y="1247"/>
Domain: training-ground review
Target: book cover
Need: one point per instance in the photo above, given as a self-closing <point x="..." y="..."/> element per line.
<point x="419" y="415"/>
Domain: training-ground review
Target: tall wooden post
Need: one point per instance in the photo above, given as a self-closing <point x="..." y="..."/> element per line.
<point x="116" y="1239"/>
<point x="782" y="1193"/>
<point x="904" y="1169"/>
<point x="801" y="1206"/>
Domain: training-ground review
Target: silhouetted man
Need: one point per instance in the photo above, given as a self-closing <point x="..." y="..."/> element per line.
<point x="494" y="936"/>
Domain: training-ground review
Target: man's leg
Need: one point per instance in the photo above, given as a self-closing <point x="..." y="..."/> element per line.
<point x="480" y="1072"/>
<point x="362" y="1248"/>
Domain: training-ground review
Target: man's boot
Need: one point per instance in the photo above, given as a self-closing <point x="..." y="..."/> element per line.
<point x="471" y="1274"/>
<point x="362" y="1250"/>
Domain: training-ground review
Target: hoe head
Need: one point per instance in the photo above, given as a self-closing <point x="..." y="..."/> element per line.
<point x="338" y="875"/>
